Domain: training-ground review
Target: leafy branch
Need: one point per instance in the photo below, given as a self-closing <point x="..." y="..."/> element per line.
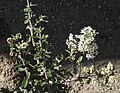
<point x="42" y="72"/>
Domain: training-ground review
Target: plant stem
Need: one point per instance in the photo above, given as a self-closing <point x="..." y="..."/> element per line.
<point x="40" y="44"/>
<point x="79" y="67"/>
<point x="40" y="38"/>
<point x="21" y="60"/>
<point x="48" y="85"/>
<point x="30" y="25"/>
<point x="46" y="77"/>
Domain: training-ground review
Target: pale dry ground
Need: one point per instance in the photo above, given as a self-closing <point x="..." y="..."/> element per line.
<point x="87" y="88"/>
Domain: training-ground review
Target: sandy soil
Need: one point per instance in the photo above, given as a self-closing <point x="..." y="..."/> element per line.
<point x="77" y="87"/>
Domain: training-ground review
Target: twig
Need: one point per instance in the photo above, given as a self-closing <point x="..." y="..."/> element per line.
<point x="40" y="44"/>
<point x="79" y="78"/>
<point x="48" y="85"/>
<point x="21" y="60"/>
<point x="30" y="25"/>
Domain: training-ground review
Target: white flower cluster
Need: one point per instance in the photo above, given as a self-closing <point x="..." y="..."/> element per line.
<point x="108" y="70"/>
<point x="14" y="38"/>
<point x="84" y="43"/>
<point x="88" y="70"/>
<point x="71" y="42"/>
<point x="22" y="45"/>
<point x="16" y="44"/>
<point x="106" y="75"/>
<point x="112" y="80"/>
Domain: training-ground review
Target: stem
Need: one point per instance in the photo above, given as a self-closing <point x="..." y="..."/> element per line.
<point x="94" y="64"/>
<point x="48" y="85"/>
<point x="30" y="25"/>
<point x="21" y="59"/>
<point x="73" y="67"/>
<point x="80" y="66"/>
<point x="31" y="28"/>
<point x="46" y="77"/>
<point x="40" y="44"/>
<point x="40" y="38"/>
<point x="73" y="62"/>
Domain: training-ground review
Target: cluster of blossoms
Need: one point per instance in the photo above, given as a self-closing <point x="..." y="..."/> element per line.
<point x="15" y="38"/>
<point x="71" y="42"/>
<point x="106" y="75"/>
<point x="84" y="43"/>
<point x="16" y="44"/>
<point x="108" y="70"/>
<point x="22" y="45"/>
<point x="88" y="70"/>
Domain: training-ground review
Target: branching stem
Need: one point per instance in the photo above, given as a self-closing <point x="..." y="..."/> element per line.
<point x="30" y="25"/>
<point x="40" y="44"/>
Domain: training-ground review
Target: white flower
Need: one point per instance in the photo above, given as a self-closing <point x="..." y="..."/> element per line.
<point x="112" y="79"/>
<point x="94" y="81"/>
<point x="88" y="29"/>
<point x="90" y="56"/>
<point x="103" y="71"/>
<point x="14" y="38"/>
<point x="9" y="40"/>
<point x="84" y="43"/>
<point x="71" y="42"/>
<point x="92" y="68"/>
<point x="110" y="66"/>
<point x="18" y="36"/>
<point x="11" y="53"/>
<point x="70" y="36"/>
<point x="23" y="45"/>
<point x="50" y="82"/>
<point x="85" y="70"/>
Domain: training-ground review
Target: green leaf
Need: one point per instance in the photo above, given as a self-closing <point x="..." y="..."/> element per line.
<point x="37" y="30"/>
<point x="17" y="65"/>
<point x="27" y="9"/>
<point x="49" y="73"/>
<point x="46" y="36"/>
<point x="36" y="82"/>
<point x="25" y="82"/>
<point x="42" y="50"/>
<point x="21" y="69"/>
<point x="67" y="51"/>
<point x="56" y="80"/>
<point x="36" y="56"/>
<point x="26" y="21"/>
<point x="80" y="60"/>
<point x="43" y="83"/>
<point x="67" y="58"/>
<point x="32" y="4"/>
<point x="28" y="74"/>
<point x="41" y="28"/>
<point x="26" y="14"/>
<point x="25" y="91"/>
<point x="26" y="17"/>
<point x="48" y="56"/>
<point x="30" y="91"/>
